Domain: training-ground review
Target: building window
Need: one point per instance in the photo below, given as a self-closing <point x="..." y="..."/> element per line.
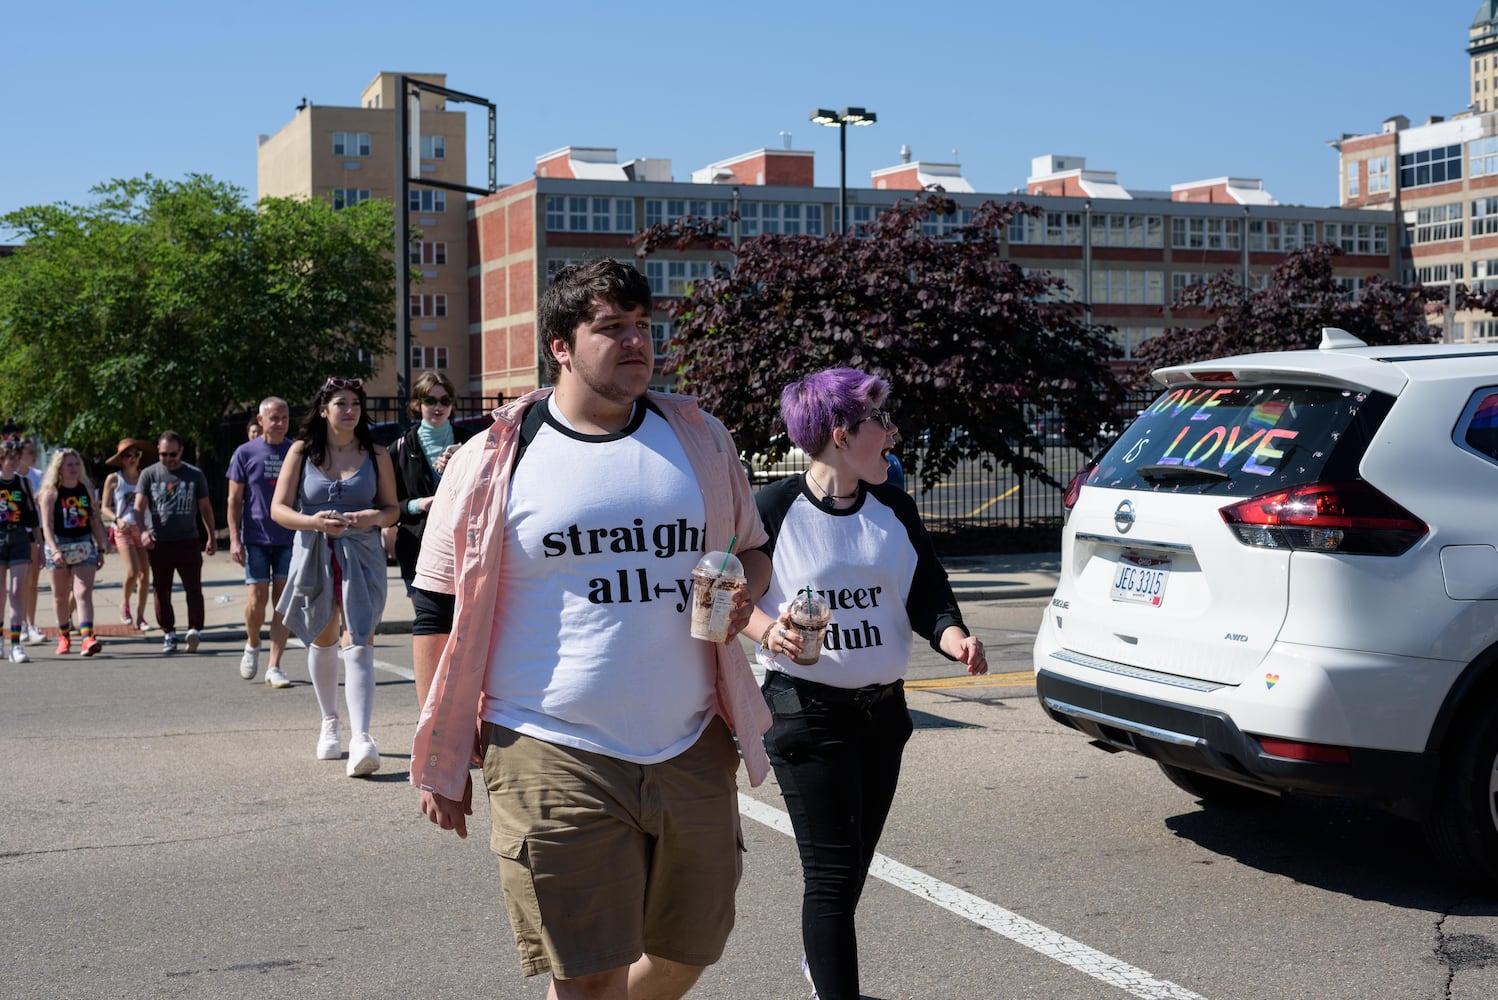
<point x="1128" y="338"/>
<point x="1438" y="274"/>
<point x="676" y="277"/>
<point x="350" y="143"/>
<point x="1063" y="229"/>
<point x="424" y="358"/>
<point x="1353" y="172"/>
<point x="590" y="215"/>
<point x="1483" y="156"/>
<point x="660" y="337"/>
<point x="1430" y="166"/>
<point x="939" y="226"/>
<point x="1131" y="287"/>
<point x="1438" y="223"/>
<point x="434" y="147"/>
<point x="427" y="200"/>
<point x="861" y="215"/>
<point x="1351" y="288"/>
<point x="1110" y="230"/>
<point x="659" y="210"/>
<point x="428" y="305"/>
<point x="1359" y="237"/>
<point x="1378" y="175"/>
<point x="1182" y="280"/>
<point x="429" y="253"/>
<point x="344" y="197"/>
<point x="1204" y="234"/>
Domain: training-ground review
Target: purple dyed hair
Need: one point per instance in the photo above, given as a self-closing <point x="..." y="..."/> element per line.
<point x="833" y="397"/>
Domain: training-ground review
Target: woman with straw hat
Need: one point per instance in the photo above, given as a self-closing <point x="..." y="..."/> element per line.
<point x="117" y="504"/>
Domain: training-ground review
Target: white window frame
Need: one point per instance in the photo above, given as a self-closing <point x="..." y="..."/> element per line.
<point x="346" y="197"/>
<point x="431" y="305"/>
<point x="432" y="200"/>
<point x="351" y="144"/>
<point x="428" y="253"/>
<point x="429" y="358"/>
<point x="434" y="147"/>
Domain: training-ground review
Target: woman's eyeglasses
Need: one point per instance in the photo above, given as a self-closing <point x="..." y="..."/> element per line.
<point x="343" y="383"/>
<point x="436" y="401"/>
<point x="883" y="416"/>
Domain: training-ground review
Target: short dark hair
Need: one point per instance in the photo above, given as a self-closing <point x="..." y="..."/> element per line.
<point x="425" y="383"/>
<point x="573" y="298"/>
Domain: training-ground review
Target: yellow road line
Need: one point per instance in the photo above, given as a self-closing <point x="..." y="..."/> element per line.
<point x="1018" y="678"/>
<point x="990" y="503"/>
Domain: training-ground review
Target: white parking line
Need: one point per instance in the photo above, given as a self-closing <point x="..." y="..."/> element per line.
<point x="1016" y="928"/>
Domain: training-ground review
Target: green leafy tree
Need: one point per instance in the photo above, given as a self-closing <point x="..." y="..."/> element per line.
<point x="1300" y="297"/>
<point x="972" y="345"/>
<point x="171" y="303"/>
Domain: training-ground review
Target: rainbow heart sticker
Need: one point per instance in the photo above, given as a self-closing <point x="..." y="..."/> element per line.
<point x="1270" y="680"/>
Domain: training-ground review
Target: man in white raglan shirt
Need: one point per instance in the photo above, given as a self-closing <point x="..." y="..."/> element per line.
<point x="553" y="594"/>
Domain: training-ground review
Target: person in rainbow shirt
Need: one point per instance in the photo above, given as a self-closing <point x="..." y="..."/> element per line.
<point x="17" y="519"/>
<point x="75" y="542"/>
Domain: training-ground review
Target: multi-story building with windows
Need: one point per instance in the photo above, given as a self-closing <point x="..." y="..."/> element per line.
<point x="348" y="155"/>
<point x="1440" y="179"/>
<point x="1125" y="253"/>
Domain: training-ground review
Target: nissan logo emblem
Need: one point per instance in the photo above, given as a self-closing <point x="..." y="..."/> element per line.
<point x="1123" y="517"/>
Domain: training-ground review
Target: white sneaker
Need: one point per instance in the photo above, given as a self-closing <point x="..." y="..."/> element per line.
<point x="192" y="642"/>
<point x="18" y="654"/>
<point x="276" y="678"/>
<point x="363" y="758"/>
<point x="328" y="743"/>
<point x="249" y="663"/>
<point x="33" y="635"/>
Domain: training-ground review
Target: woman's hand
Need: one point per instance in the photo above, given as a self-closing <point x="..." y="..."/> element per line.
<point x="331" y="523"/>
<point x="965" y="649"/>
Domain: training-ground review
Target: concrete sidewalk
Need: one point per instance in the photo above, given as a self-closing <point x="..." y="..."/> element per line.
<point x="974" y="578"/>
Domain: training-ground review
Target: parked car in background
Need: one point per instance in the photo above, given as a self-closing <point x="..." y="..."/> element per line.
<point x="1282" y="578"/>
<point x="763" y="469"/>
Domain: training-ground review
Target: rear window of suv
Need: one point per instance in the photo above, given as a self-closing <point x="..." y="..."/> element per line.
<point x="1242" y="440"/>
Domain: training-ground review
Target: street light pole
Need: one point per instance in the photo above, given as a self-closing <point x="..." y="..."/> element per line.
<point x="841" y="120"/>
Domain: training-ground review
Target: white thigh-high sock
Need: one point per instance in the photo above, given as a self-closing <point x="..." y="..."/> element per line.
<point x="322" y="664"/>
<point x="359" y="686"/>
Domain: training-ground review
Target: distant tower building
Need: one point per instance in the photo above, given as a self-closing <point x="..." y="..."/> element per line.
<point x="1482" y="47"/>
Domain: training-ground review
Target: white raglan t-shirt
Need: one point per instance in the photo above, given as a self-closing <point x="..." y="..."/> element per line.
<point x="591" y="644"/>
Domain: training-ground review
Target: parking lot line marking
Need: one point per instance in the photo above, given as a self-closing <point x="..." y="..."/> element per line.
<point x="1016" y="678"/>
<point x="989" y="503"/>
<point x="1020" y="930"/>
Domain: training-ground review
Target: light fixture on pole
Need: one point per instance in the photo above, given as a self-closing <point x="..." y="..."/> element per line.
<point x="840" y="120"/>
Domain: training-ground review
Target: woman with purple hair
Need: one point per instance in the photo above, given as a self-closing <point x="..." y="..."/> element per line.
<point x="840" y="534"/>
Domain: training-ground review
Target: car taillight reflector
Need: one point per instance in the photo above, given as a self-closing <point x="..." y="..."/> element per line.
<point x="1295" y="750"/>
<point x="1351" y="518"/>
<point x="1074" y="488"/>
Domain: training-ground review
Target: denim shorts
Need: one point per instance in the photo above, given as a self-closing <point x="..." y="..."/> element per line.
<point x="15" y="546"/>
<point x="262" y="562"/>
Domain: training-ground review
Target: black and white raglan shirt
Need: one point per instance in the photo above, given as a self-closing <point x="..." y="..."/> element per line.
<point x="872" y="562"/>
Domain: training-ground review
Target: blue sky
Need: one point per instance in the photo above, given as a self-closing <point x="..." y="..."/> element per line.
<point x="1161" y="91"/>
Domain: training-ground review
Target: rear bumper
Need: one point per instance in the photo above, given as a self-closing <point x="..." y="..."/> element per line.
<point x="1210" y="742"/>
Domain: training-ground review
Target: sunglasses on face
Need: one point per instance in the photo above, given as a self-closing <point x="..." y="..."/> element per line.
<point x="885" y="420"/>
<point x="343" y="383"/>
<point x="168" y="454"/>
<point x="436" y="401"/>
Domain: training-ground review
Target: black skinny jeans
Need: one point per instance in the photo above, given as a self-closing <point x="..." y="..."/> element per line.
<point x="836" y="755"/>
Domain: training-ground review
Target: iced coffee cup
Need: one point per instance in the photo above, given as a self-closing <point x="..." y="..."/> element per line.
<point x="716" y="577"/>
<point x="809" y="616"/>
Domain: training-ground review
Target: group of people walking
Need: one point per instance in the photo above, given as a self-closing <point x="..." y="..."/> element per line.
<point x="553" y="563"/>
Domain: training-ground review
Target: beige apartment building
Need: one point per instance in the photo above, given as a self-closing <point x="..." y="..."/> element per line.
<point x="1440" y="178"/>
<point x="348" y="154"/>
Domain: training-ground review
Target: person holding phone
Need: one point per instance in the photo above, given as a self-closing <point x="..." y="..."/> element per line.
<point x="420" y="458"/>
<point x="336" y="491"/>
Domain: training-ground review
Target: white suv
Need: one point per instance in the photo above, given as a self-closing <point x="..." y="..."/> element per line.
<point x="1283" y="578"/>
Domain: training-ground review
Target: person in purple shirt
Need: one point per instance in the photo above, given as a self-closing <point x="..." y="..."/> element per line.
<point x="258" y="543"/>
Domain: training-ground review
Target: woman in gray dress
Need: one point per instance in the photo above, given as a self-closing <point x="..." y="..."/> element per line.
<point x="337" y="490"/>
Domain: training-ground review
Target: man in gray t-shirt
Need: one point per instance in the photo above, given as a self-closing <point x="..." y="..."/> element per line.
<point x="176" y="495"/>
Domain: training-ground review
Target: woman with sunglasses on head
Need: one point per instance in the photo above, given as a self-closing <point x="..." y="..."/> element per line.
<point x="855" y="544"/>
<point x="420" y="457"/>
<point x="337" y="490"/>
<point x="74" y="539"/>
<point x="117" y="504"/>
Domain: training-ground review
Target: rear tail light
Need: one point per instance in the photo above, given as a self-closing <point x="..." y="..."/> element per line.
<point x="1351" y="518"/>
<point x="1074" y="488"/>
<point x="1296" y="750"/>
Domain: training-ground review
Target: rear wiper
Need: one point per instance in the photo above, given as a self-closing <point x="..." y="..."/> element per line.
<point x="1161" y="473"/>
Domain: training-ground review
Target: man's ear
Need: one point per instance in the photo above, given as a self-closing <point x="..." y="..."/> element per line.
<point x="560" y="352"/>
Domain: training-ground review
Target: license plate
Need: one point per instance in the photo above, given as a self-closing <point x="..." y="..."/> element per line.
<point x="1140" y="579"/>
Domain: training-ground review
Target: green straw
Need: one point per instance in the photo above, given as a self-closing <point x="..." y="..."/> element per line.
<point x="727" y="554"/>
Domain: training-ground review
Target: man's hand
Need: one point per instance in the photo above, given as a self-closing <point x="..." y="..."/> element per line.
<point x="447" y="814"/>
<point x="236" y="551"/>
